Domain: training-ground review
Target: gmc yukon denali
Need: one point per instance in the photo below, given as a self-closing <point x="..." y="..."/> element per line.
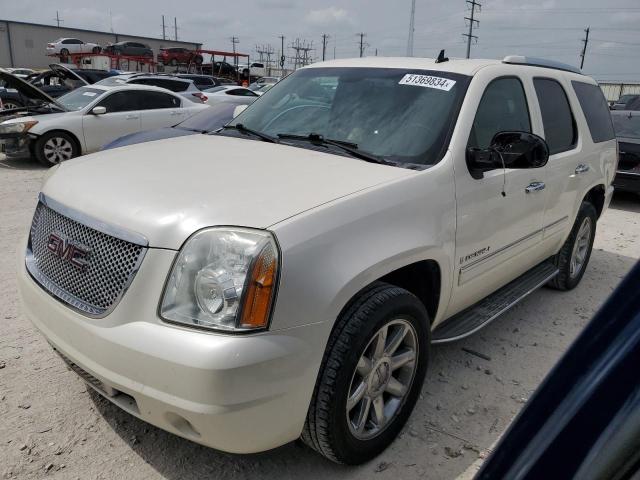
<point x="286" y="277"/>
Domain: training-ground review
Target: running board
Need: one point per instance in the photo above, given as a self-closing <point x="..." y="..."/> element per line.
<point x="485" y="311"/>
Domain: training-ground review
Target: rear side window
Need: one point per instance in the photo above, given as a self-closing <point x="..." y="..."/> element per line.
<point x="155" y="100"/>
<point x="560" y="130"/>
<point x="595" y="110"/>
<point x="503" y="107"/>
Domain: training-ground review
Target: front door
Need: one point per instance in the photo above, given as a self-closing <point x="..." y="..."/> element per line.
<point x="499" y="216"/>
<point x="122" y="118"/>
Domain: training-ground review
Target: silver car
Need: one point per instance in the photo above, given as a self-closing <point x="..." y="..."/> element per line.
<point x="182" y="86"/>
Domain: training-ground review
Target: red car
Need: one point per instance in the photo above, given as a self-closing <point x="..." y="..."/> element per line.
<point x="174" y="56"/>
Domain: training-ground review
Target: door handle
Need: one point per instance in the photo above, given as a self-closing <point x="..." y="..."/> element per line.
<point x="535" y="187"/>
<point x="582" y="168"/>
<point x="132" y="117"/>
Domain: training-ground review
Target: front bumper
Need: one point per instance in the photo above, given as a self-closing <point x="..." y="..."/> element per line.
<point x="16" y="147"/>
<point x="236" y="393"/>
<point x="627" y="181"/>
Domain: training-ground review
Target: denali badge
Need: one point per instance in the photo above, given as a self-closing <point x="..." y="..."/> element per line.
<point x="68" y="250"/>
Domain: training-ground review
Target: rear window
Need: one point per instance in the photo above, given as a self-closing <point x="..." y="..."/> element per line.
<point x="559" y="125"/>
<point x="595" y="110"/>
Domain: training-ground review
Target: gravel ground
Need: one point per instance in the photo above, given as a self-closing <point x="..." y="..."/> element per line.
<point x="51" y="425"/>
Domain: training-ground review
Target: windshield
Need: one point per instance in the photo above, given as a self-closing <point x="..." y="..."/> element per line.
<point x="627" y="126"/>
<point x="404" y="116"/>
<point x="80" y="98"/>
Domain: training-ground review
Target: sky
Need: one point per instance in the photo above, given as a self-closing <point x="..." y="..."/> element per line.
<point x="551" y="29"/>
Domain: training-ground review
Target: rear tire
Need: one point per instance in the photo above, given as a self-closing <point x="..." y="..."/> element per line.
<point x="198" y="60"/>
<point x="573" y="257"/>
<point x="96" y="50"/>
<point x="64" y="52"/>
<point x="55" y="147"/>
<point x="369" y="382"/>
<point x="173" y="62"/>
<point x="10" y="104"/>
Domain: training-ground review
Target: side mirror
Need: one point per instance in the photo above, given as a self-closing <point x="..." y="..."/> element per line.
<point x="99" y="110"/>
<point x="511" y="150"/>
<point x="239" y="109"/>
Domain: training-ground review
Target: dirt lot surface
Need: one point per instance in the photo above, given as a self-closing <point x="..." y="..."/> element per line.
<point x="53" y="426"/>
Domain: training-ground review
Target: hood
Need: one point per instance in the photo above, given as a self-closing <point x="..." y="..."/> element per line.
<point x="168" y="189"/>
<point x="65" y="72"/>
<point x="26" y="89"/>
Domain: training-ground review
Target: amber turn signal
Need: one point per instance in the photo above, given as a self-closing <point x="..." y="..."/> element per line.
<point x="260" y="290"/>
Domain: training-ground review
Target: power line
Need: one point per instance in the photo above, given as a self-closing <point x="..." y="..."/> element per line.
<point x="585" y="40"/>
<point x="472" y="21"/>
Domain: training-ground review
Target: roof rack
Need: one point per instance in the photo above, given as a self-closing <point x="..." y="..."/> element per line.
<point x="540" y="62"/>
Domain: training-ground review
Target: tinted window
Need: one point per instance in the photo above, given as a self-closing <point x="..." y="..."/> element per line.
<point x="121" y="102"/>
<point x="241" y="92"/>
<point x="173" y="85"/>
<point x="627" y="125"/>
<point x="595" y="110"/>
<point x="503" y="107"/>
<point x="559" y="126"/>
<point x="155" y="100"/>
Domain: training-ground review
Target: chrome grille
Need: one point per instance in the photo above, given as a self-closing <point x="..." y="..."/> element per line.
<point x="111" y="262"/>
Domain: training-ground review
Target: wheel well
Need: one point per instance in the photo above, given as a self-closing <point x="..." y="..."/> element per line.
<point x="595" y="196"/>
<point x="422" y="279"/>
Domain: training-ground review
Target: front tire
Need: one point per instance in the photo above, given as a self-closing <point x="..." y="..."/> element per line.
<point x="64" y="52"/>
<point x="573" y="257"/>
<point x="96" y="50"/>
<point x="370" y="377"/>
<point x="55" y="147"/>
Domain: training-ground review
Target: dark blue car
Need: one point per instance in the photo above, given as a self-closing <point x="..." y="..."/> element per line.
<point x="207" y="121"/>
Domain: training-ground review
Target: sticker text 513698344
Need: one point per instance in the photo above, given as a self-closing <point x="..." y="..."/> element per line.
<point x="427" y="81"/>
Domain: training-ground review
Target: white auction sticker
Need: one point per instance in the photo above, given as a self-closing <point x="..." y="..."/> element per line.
<point x="427" y="81"/>
<point x="89" y="94"/>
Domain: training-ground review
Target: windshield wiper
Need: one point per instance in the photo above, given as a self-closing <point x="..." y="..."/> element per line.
<point x="263" y="136"/>
<point x="348" y="147"/>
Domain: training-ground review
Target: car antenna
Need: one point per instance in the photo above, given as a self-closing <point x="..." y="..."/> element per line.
<point x="441" y="58"/>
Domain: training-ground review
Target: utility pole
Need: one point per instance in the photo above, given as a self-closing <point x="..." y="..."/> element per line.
<point x="164" y="31"/>
<point x="472" y="23"/>
<point x="585" y="40"/>
<point x="362" y="44"/>
<point x="282" y="57"/>
<point x="324" y="45"/>
<point x="234" y="40"/>
<point x="58" y="19"/>
<point x="175" y="28"/>
<point x="411" y="29"/>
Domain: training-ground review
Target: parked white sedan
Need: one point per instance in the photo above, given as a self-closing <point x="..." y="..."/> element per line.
<point x="91" y="116"/>
<point x="65" y="46"/>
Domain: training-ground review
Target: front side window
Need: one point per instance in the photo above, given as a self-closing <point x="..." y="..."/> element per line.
<point x="503" y="108"/>
<point x="80" y="98"/>
<point x="560" y="130"/>
<point x="121" y="102"/>
<point x="402" y="116"/>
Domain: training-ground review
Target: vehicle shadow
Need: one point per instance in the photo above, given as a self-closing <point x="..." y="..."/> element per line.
<point x="20" y="164"/>
<point x="474" y="388"/>
<point x="628" y="201"/>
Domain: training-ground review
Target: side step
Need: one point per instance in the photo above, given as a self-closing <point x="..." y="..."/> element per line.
<point x="485" y="311"/>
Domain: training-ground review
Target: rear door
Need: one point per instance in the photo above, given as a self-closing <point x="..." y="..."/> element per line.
<point x="159" y="109"/>
<point x="567" y="168"/>
<point x="122" y="118"/>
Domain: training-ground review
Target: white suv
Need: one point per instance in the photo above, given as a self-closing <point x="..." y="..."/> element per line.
<point x="287" y="276"/>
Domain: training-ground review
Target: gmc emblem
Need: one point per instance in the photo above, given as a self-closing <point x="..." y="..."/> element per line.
<point x="68" y="250"/>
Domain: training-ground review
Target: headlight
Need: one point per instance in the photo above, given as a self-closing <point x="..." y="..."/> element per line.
<point x="17" y="127"/>
<point x="223" y="279"/>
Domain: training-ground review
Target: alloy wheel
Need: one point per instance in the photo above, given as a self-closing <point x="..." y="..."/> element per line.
<point x="382" y="379"/>
<point x="580" y="248"/>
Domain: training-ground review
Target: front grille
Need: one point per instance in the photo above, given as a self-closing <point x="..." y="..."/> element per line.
<point x="110" y="263"/>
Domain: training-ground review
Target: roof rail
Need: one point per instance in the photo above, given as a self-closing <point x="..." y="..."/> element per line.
<point x="540" y="62"/>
